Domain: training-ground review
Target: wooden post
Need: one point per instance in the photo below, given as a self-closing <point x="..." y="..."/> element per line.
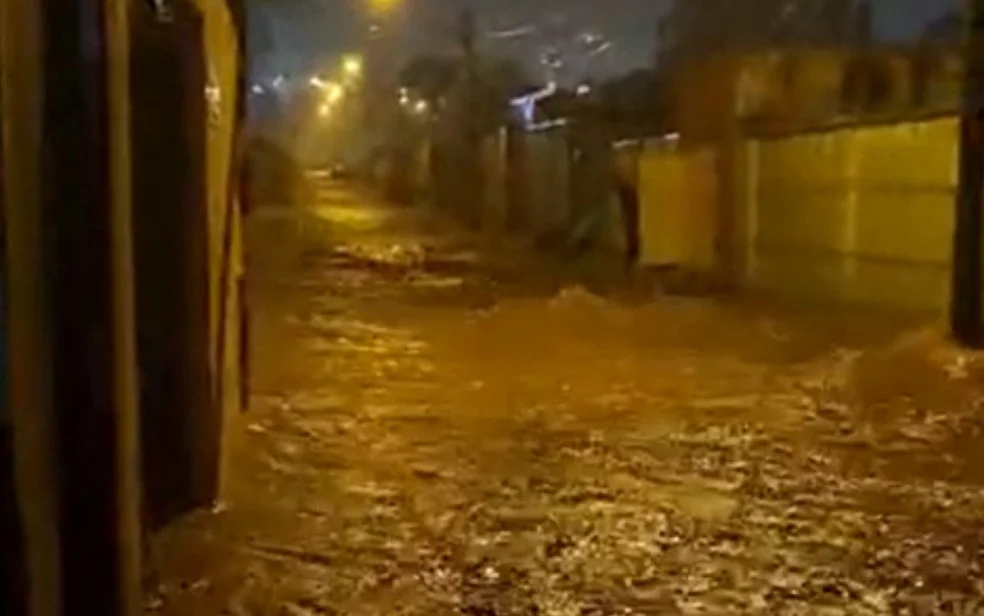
<point x="966" y="288"/>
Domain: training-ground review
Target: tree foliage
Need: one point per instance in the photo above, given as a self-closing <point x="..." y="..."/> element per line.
<point x="430" y="77"/>
<point x="632" y="103"/>
<point x="434" y="77"/>
<point x="480" y="95"/>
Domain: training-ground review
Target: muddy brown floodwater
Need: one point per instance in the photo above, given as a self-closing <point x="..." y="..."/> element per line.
<point x="440" y="431"/>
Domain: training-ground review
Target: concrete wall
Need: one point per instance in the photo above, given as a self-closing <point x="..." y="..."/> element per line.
<point x="857" y="214"/>
<point x="677" y="201"/>
<point x="861" y="214"/>
<point x="853" y="214"/>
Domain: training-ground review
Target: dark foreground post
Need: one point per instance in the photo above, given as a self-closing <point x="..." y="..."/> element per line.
<point x="34" y="510"/>
<point x="70" y="300"/>
<point x="966" y="290"/>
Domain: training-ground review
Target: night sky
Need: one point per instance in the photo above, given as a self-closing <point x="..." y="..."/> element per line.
<point x="309" y="33"/>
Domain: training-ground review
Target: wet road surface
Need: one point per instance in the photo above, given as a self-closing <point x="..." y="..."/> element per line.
<point x="435" y="431"/>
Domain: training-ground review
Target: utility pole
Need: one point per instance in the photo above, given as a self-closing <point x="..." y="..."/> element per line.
<point x="466" y="38"/>
<point x="862" y="24"/>
<point x="469" y="158"/>
<point x="466" y="32"/>
<point x="966" y="284"/>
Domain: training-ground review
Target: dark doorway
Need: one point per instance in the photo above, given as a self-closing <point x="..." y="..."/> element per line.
<point x="13" y="583"/>
<point x="170" y="220"/>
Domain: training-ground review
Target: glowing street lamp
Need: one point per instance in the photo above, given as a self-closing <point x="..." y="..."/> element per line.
<point x="352" y="66"/>
<point x="382" y="7"/>
<point x="333" y="92"/>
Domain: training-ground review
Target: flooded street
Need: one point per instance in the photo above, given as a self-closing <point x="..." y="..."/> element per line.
<point x="438" y="430"/>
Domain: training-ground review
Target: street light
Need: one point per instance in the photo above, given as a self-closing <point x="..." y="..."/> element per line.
<point x="333" y="92"/>
<point x="381" y="7"/>
<point x="352" y="66"/>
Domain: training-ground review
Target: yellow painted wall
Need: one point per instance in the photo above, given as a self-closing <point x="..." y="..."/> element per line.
<point x="856" y="214"/>
<point x="226" y="257"/>
<point x="677" y="201"/>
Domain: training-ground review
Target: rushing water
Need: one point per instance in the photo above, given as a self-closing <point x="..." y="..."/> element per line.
<point x="434" y="433"/>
